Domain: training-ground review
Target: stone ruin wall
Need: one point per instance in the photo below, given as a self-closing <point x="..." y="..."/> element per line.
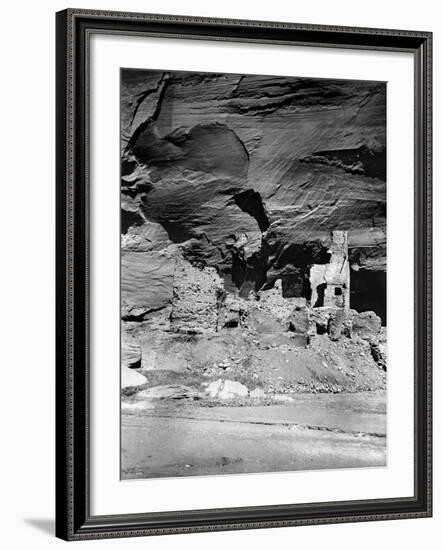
<point x="197" y="297"/>
<point x="200" y="305"/>
<point x="330" y="282"/>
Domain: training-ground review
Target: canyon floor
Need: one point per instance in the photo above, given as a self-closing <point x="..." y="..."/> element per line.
<point x="178" y="437"/>
<point x="236" y="404"/>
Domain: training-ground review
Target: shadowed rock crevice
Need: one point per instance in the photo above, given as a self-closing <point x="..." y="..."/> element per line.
<point x="368" y="292"/>
<point x="130" y="219"/>
<point x="161" y="88"/>
<point x="251" y="202"/>
<point x="139" y="317"/>
<point x="291" y="263"/>
<point x="361" y="160"/>
<point x="276" y="93"/>
<point x="250" y="274"/>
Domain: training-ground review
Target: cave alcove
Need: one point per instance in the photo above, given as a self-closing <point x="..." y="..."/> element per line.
<point x="368" y="292"/>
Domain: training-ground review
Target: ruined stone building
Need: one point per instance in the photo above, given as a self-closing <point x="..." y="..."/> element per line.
<point x="200" y="303"/>
<point x="196" y="296"/>
<point x="330" y="282"/>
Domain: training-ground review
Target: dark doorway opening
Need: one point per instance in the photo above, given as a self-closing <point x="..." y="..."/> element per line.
<point x="368" y="292"/>
<point x="320" y="328"/>
<point x="320" y="295"/>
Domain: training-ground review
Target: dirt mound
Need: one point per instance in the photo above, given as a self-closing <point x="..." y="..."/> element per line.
<point x="272" y="362"/>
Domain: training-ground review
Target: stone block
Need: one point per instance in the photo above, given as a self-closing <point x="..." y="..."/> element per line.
<point x="366" y="324"/>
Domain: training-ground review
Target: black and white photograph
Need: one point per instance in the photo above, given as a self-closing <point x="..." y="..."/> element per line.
<point x="220" y="234"/>
<point x="253" y="274"/>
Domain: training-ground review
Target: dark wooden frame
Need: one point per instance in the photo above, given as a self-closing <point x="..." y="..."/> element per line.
<point x="73" y="518"/>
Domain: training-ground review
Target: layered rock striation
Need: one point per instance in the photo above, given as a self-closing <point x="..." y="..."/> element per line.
<point x="248" y="175"/>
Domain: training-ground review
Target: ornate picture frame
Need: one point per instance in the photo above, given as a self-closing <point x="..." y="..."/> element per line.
<point x="74" y="520"/>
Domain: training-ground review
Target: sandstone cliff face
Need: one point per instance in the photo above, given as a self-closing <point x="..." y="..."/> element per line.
<point x="248" y="175"/>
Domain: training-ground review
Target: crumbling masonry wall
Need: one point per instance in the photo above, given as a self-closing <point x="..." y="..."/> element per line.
<point x="197" y="294"/>
<point x="330" y="282"/>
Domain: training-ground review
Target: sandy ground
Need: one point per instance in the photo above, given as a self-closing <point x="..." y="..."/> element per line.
<point x="180" y="438"/>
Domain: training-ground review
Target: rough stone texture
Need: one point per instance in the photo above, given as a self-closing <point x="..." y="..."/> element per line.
<point x="273" y="302"/>
<point x="380" y="353"/>
<point x="227" y="389"/>
<point x="143" y="237"/>
<point x="131" y="354"/>
<point x="330" y="282"/>
<point x="299" y="320"/>
<point x="265" y="312"/>
<point x="231" y="186"/>
<point x="240" y="172"/>
<point x="366" y="325"/>
<point x="233" y="313"/>
<point x="146" y="283"/>
<point x="319" y="320"/>
<point x="338" y="324"/>
<point x="196" y="298"/>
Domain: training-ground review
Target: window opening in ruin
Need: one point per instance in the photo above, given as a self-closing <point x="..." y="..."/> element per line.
<point x="338" y="291"/>
<point x="320" y="295"/>
<point x="321" y="328"/>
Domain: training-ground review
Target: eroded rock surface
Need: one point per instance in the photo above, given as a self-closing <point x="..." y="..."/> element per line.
<point x="242" y="196"/>
<point x="146" y="283"/>
<point x="227" y="389"/>
<point x="197" y="296"/>
<point x="239" y="171"/>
